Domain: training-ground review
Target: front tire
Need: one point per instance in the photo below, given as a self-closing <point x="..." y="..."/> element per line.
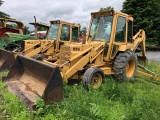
<point x="94" y="77"/>
<point x="125" y="65"/>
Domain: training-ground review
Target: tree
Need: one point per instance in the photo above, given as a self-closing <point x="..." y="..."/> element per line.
<point x="81" y="30"/>
<point x="39" y="28"/>
<point x="105" y="9"/>
<point x="1" y="2"/>
<point x="26" y="30"/>
<point x="2" y="14"/>
<point x="146" y="14"/>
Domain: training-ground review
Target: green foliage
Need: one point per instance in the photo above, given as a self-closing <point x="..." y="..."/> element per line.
<point x="10" y="106"/>
<point x="135" y="100"/>
<point x="1" y="2"/>
<point x="41" y="28"/>
<point x="2" y="14"/>
<point x="146" y="14"/>
<point x="11" y="25"/>
<point x="81" y="31"/>
<point x="4" y="73"/>
<point x="145" y="106"/>
<point x="13" y="106"/>
<point x="26" y="30"/>
<point x="117" y="91"/>
<point x="105" y="9"/>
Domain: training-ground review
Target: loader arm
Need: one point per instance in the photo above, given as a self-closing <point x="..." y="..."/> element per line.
<point x="39" y="47"/>
<point x="78" y="66"/>
<point x="87" y="57"/>
<point x="32" y="50"/>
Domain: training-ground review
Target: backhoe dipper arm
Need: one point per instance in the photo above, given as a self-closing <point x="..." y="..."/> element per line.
<point x="140" y="38"/>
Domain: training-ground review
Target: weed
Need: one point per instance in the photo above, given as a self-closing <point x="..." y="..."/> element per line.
<point x="4" y="73"/>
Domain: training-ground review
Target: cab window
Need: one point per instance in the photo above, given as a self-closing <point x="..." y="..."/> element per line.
<point x="75" y="34"/>
<point x="65" y="33"/>
<point x="101" y="28"/>
<point x="120" y="30"/>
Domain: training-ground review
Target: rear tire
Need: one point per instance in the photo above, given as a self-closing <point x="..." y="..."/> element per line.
<point x="125" y="65"/>
<point x="94" y="77"/>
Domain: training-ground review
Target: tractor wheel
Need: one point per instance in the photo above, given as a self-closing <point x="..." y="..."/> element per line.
<point x="125" y="65"/>
<point x="94" y="77"/>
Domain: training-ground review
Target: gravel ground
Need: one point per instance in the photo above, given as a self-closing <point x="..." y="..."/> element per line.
<point x="153" y="56"/>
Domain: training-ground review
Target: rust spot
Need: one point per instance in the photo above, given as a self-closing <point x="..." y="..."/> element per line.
<point x="28" y="88"/>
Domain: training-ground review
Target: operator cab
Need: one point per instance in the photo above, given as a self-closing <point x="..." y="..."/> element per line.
<point x="62" y="33"/>
<point x="114" y="28"/>
<point x="111" y="26"/>
<point x="101" y="28"/>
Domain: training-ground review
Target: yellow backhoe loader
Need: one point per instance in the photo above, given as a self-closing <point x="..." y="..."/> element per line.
<point x="59" y="33"/>
<point x="109" y="49"/>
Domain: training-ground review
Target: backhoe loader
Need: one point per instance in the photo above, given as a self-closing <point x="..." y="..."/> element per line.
<point x="109" y="49"/>
<point x="59" y="33"/>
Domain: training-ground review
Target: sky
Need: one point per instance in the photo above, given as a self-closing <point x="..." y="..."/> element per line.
<point x="75" y="11"/>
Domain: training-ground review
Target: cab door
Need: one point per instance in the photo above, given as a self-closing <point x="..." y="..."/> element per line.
<point x="123" y="35"/>
<point x="64" y="35"/>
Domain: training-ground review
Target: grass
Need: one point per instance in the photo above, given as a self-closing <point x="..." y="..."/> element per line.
<point x="135" y="100"/>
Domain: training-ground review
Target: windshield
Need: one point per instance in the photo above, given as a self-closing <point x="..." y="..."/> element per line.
<point x="101" y="28"/>
<point x="53" y="31"/>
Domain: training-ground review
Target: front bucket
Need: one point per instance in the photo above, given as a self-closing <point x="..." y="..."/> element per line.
<point x="29" y="78"/>
<point x="6" y="59"/>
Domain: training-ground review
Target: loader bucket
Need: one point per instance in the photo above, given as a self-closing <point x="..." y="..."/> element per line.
<point x="6" y="59"/>
<point x="29" y="78"/>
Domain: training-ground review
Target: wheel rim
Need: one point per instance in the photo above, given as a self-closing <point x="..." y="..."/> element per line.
<point x="96" y="81"/>
<point x="130" y="68"/>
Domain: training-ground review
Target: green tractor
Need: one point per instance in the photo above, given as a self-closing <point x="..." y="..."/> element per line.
<point x="11" y="38"/>
<point x="12" y="41"/>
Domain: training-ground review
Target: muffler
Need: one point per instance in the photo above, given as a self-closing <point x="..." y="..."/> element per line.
<point x="29" y="78"/>
<point x="6" y="59"/>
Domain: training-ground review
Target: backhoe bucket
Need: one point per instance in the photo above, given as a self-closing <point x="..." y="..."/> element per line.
<point x="29" y="78"/>
<point x="6" y="59"/>
<point x="142" y="59"/>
